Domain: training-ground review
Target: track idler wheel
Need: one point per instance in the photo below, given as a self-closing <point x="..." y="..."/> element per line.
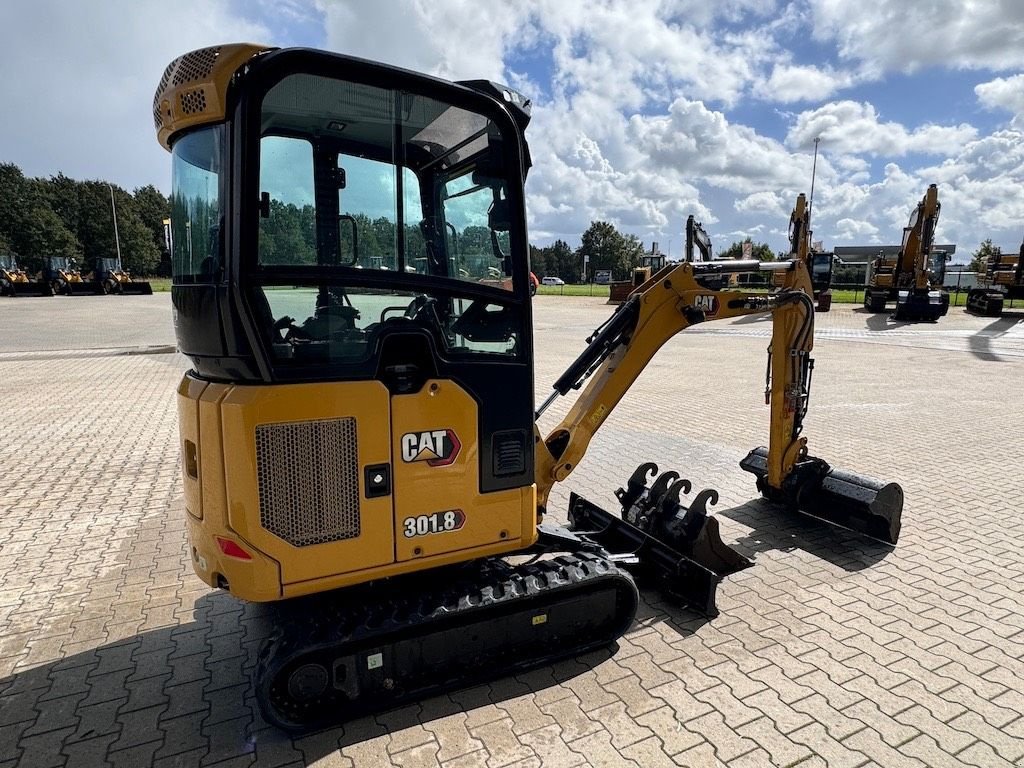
<point x="835" y="496"/>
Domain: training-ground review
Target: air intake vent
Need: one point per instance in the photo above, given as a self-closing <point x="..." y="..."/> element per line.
<point x="193" y="101"/>
<point x="508" y="451"/>
<point x="196" y="65"/>
<point x="309" y="480"/>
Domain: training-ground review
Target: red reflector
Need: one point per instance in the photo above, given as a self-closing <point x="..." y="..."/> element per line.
<point x="229" y="548"/>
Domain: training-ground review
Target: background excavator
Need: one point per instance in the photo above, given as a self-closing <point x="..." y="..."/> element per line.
<point x="1001" y="277"/>
<point x="376" y="467"/>
<point x="819" y="263"/>
<point x="913" y="278"/>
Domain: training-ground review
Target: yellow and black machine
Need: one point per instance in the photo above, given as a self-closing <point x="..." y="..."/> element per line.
<point x="15" y="281"/>
<point x="820" y="263"/>
<point x="1001" y="277"/>
<point x="370" y="435"/>
<point x="913" y="278"/>
<point x="114" y="279"/>
<point x="648" y="264"/>
<point x="61" y="276"/>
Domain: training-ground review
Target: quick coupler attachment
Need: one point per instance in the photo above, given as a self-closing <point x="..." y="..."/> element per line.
<point x="677" y="547"/>
<point x="842" y="498"/>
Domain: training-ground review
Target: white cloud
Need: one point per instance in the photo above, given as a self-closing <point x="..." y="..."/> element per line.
<point x="791" y="83"/>
<point x="78" y="83"/>
<point x="703" y="142"/>
<point x="851" y="127"/>
<point x="855" y="229"/>
<point x="769" y="204"/>
<point x="909" y="36"/>
<point x="1003" y="93"/>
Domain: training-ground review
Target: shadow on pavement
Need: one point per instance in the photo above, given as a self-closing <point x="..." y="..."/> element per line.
<point x="882" y="321"/>
<point x="980" y="343"/>
<point x="774" y="528"/>
<point x="764" y="317"/>
<point x="185" y="693"/>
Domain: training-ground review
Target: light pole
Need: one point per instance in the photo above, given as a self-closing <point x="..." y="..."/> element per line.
<point x="117" y="239"/>
<point x="814" y="170"/>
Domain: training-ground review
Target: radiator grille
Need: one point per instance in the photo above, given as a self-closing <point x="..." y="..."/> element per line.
<point x="308" y="476"/>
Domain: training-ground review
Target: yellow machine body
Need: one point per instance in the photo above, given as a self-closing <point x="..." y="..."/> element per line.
<point x="247" y="452"/>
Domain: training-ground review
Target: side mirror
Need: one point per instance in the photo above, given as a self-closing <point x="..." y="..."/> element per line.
<point x="499" y="216"/>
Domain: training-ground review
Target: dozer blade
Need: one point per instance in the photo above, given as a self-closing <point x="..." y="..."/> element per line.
<point x="679" y="548"/>
<point x="29" y="289"/>
<point x="84" y="289"/>
<point x="842" y="498"/>
<point x="137" y="288"/>
<point x="411" y="637"/>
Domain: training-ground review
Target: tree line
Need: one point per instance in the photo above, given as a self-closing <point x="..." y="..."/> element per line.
<point x="288" y="236"/>
<point x="604" y="248"/>
<point x="61" y="216"/>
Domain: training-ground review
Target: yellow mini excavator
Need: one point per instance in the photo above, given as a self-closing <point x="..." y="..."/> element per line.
<point x="371" y="432"/>
<point x="913" y="277"/>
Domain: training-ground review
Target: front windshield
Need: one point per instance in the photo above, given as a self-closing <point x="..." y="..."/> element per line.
<point x="360" y="186"/>
<point x="938" y="266"/>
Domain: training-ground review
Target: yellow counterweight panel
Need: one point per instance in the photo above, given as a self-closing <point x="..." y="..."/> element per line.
<point x="257" y="579"/>
<point x="315" y="441"/>
<point x="438" y="504"/>
<point x="189" y="392"/>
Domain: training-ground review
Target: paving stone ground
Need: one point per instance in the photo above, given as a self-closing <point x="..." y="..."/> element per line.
<point x="831" y="650"/>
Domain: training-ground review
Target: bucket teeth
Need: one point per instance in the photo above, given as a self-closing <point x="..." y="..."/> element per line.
<point x="680" y="547"/>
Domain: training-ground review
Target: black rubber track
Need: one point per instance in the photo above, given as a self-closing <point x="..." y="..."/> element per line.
<point x="368" y="649"/>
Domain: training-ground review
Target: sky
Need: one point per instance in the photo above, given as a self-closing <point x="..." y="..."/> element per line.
<point x="644" y="111"/>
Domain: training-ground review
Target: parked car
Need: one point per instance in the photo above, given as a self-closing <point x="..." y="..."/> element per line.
<point x="552" y="281"/>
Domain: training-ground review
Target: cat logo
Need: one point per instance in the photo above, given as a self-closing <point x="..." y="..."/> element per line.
<point x="437" y="447"/>
<point x="707" y="303"/>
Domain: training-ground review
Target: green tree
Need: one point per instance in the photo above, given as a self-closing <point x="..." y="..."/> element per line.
<point x="556" y="260"/>
<point x="979" y="258"/>
<point x="27" y="221"/>
<point x="759" y="251"/>
<point x="607" y="248"/>
<point x="152" y="208"/>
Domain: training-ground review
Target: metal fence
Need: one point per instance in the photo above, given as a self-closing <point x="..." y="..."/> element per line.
<point x="847" y="278"/>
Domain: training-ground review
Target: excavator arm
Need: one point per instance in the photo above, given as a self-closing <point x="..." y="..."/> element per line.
<point x="669" y="303"/>
<point x="655" y="531"/>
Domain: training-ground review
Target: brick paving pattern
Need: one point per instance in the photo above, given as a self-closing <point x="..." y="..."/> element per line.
<point x="831" y="650"/>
